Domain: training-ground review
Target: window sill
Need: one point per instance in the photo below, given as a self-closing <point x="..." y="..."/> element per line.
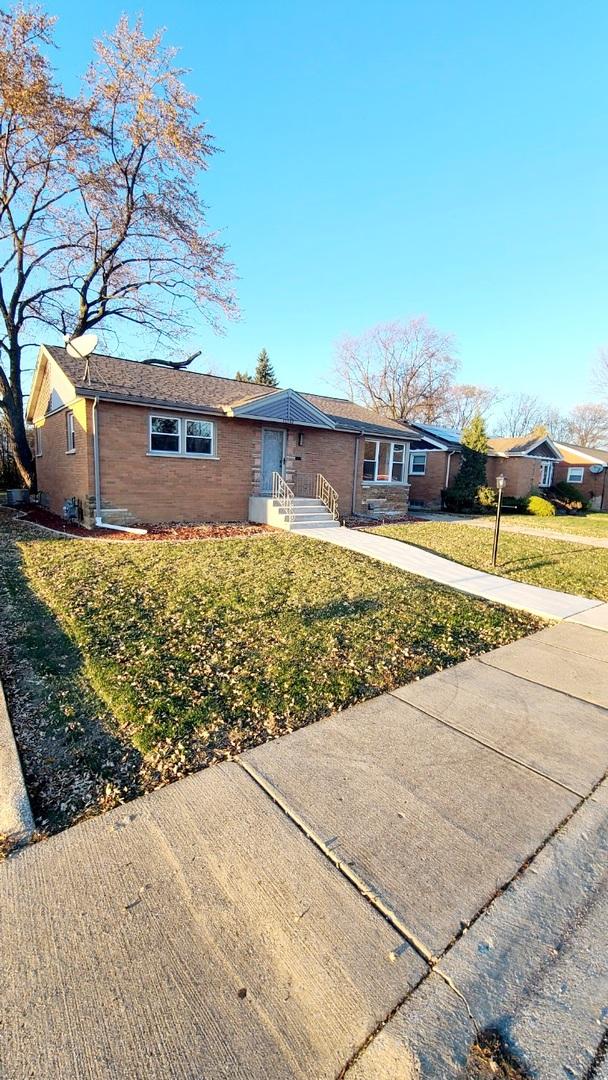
<point x="70" y="451"/>
<point x="181" y="457"/>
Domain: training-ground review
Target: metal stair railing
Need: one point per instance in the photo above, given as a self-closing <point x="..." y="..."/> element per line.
<point x="282" y="493"/>
<point x="327" y="494"/>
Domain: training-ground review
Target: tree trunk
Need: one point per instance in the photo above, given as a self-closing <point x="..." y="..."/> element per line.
<point x="24" y="459"/>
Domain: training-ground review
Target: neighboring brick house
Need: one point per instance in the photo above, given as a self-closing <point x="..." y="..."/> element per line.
<point x="133" y="442"/>
<point x="587" y="469"/>
<point x="435" y="458"/>
<point x="527" y="463"/>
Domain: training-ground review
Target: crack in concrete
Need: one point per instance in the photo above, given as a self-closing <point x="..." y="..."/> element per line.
<point x="383" y="909"/>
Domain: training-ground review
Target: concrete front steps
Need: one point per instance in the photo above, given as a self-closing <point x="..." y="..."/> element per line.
<point x="305" y="514"/>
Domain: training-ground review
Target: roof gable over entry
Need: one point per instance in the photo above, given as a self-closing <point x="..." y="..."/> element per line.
<point x="283" y="406"/>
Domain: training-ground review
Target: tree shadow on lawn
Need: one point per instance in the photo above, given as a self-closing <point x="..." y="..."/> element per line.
<point x="75" y="760"/>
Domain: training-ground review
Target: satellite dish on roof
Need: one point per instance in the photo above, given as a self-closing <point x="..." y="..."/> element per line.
<point x="596" y="468"/>
<point x="80" y="347"/>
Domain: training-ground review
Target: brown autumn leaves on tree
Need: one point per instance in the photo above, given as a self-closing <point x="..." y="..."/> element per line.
<point x="100" y="218"/>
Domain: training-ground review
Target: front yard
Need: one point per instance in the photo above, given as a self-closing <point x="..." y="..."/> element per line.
<point x="554" y="564"/>
<point x="594" y="524"/>
<point x="128" y="665"/>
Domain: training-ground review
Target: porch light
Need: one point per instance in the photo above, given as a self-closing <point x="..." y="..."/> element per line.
<point x="500" y="482"/>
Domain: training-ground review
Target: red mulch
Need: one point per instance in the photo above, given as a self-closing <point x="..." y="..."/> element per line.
<point x="171" y="531"/>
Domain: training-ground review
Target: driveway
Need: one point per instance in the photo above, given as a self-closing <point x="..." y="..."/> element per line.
<point x="355" y="899"/>
<point x="548" y="603"/>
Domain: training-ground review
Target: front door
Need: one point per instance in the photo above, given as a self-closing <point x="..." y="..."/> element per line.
<point x="272" y="456"/>
<point x="546" y="474"/>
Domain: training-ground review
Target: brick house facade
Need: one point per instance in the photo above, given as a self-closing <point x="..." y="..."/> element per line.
<point x="136" y="443"/>
<point x="585" y="468"/>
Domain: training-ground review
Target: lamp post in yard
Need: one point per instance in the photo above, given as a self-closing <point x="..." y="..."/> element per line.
<point x="500" y="483"/>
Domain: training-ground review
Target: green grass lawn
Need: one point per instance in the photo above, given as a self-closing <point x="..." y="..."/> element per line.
<point x="576" y="524"/>
<point x="572" y="568"/>
<point x="149" y="660"/>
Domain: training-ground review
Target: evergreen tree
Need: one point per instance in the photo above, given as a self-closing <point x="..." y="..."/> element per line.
<point x="243" y="376"/>
<point x="472" y="473"/>
<point x="264" y="371"/>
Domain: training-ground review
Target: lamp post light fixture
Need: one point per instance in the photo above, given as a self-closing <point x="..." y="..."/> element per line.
<point x="500" y="483"/>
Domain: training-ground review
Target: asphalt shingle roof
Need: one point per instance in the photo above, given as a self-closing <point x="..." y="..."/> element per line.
<point x="111" y="376"/>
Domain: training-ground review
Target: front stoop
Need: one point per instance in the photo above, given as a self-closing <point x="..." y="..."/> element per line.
<point x="306" y="514"/>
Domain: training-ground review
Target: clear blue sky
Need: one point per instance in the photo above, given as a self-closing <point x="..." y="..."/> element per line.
<point x="389" y="159"/>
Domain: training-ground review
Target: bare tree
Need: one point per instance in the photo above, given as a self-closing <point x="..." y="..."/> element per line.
<point x="587" y="425"/>
<point x="523" y="413"/>
<point x="599" y="375"/>
<point x="100" y="219"/>
<point x="464" y="402"/>
<point x="401" y="369"/>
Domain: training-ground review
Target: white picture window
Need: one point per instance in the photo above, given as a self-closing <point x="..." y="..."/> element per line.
<point x="418" y="463"/>
<point x="70" y="435"/>
<point x="164" y="435"/>
<point x="576" y="474"/>
<point x="383" y="462"/>
<point x="182" y="436"/>
<point x="38" y="441"/>
<point x="199" y="437"/>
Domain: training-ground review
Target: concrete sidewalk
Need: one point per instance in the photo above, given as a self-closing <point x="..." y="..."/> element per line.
<point x="548" y="603"/>
<point x="353" y="900"/>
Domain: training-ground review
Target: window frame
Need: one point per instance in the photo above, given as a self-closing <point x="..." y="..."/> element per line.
<point x="417" y="454"/>
<point x="164" y="453"/>
<point x="576" y="469"/>
<point x="38" y="440"/>
<point x="182" y="434"/>
<point x="70" y="432"/>
<point x="391" y="461"/>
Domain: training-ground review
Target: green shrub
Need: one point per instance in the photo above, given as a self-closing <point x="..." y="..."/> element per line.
<point x="570" y="496"/>
<point x="512" y="502"/>
<point x="540" y="507"/>
<point x="454" y="501"/>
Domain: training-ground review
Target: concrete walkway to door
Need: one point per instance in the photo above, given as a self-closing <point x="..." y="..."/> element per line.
<point x="547" y="603"/>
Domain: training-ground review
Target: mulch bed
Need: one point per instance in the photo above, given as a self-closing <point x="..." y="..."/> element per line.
<point x="170" y="531"/>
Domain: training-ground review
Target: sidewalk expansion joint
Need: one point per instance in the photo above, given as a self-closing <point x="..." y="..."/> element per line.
<point x="488" y="746"/>
<point x="556" y="690"/>
<point x="345" y="869"/>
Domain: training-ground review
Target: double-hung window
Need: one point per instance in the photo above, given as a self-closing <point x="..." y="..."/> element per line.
<point x="576" y="474"/>
<point x="70" y="435"/>
<point x="184" y="437"/>
<point x="165" y="436"/>
<point x="383" y="462"/>
<point x="418" y="463"/>
<point x="38" y="441"/>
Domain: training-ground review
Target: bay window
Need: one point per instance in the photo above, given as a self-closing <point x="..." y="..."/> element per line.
<point x="383" y="462"/>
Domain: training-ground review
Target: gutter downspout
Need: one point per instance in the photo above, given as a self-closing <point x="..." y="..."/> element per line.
<point x="98" y="522"/>
<point x="447" y="468"/>
<point x="355" y="474"/>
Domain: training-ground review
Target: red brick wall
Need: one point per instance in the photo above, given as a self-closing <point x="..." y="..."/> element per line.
<point x="522" y="474"/>
<point x="593" y="485"/>
<point x="427" y="489"/>
<point x="61" y="475"/>
<point x="331" y="453"/>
